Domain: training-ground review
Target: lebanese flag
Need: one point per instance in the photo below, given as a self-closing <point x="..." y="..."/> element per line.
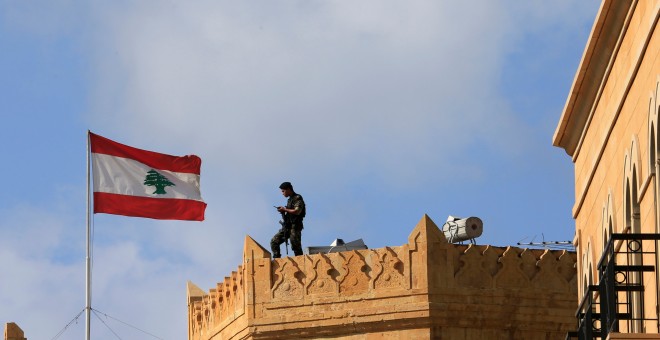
<point x="134" y="182"/>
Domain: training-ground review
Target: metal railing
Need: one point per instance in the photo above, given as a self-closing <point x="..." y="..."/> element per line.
<point x="616" y="303"/>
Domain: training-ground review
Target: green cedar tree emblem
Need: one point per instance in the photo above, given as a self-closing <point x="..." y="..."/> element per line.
<point x="154" y="179"/>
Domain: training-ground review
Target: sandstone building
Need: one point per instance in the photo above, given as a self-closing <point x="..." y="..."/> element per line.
<point x="13" y="332"/>
<point x="609" y="128"/>
<point x="424" y="289"/>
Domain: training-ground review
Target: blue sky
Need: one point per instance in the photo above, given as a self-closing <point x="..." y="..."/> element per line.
<point x="377" y="111"/>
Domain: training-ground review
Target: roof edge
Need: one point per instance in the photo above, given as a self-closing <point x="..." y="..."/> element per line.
<point x="590" y="73"/>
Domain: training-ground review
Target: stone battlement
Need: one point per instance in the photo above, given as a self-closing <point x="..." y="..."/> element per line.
<point x="424" y="289"/>
<point x="13" y="332"/>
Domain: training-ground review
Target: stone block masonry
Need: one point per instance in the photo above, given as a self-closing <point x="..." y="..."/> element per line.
<point x="424" y="289"/>
<point x="13" y="332"/>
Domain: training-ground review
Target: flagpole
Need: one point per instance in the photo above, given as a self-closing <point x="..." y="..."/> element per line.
<point x="88" y="293"/>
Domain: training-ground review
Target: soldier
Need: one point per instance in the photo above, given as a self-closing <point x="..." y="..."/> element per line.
<point x="292" y="222"/>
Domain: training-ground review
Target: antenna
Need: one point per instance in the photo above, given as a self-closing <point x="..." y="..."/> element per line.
<point x="552" y="245"/>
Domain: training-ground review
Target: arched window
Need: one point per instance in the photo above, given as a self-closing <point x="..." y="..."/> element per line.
<point x="635" y="223"/>
<point x="609" y="226"/>
<point x="585" y="282"/>
<point x="627" y="206"/>
<point x="654" y="164"/>
<point x="631" y="177"/>
<point x="653" y="144"/>
<point x="632" y="223"/>
<point x="652" y="149"/>
<point x="586" y="265"/>
<point x="603" y="227"/>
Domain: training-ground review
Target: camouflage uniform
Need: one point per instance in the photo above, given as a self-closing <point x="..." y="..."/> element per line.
<point x="295" y="233"/>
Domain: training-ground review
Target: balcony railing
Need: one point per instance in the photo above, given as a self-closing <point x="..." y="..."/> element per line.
<point x="616" y="303"/>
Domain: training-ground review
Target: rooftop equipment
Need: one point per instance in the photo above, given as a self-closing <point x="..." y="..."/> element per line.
<point x="458" y="229"/>
<point x="336" y="246"/>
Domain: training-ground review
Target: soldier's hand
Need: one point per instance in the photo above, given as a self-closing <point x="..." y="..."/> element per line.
<point x="280" y="209"/>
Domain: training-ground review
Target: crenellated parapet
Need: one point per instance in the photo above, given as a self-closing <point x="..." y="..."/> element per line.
<point x="424" y="287"/>
<point x="511" y="267"/>
<point x="221" y="305"/>
<point x="340" y="274"/>
<point x="13" y="332"/>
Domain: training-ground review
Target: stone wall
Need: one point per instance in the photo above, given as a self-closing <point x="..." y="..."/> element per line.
<point x="13" y="332"/>
<point x="609" y="127"/>
<point x="425" y="289"/>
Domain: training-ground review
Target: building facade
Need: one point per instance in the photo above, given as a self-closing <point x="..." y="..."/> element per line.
<point x="424" y="289"/>
<point x="609" y="128"/>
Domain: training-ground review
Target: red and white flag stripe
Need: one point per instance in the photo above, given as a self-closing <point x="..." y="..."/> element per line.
<point x="134" y="182"/>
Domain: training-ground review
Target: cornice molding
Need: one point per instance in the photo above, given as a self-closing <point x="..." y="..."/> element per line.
<point x="592" y="73"/>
